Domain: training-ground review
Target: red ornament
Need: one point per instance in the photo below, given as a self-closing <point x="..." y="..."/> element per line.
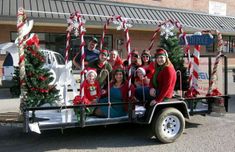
<point x="42" y="78"/>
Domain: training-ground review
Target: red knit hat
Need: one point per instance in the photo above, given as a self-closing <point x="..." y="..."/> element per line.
<point x="161" y="52"/>
<point x="135" y="53"/>
<point x="105" y="52"/>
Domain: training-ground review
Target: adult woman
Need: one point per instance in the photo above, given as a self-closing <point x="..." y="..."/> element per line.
<point x="118" y="93"/>
<point x="145" y="63"/>
<point x="164" y="78"/>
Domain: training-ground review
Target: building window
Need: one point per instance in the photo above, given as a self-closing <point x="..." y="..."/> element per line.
<point x="228" y="44"/>
<point x="57" y="42"/>
<point x="211" y="48"/>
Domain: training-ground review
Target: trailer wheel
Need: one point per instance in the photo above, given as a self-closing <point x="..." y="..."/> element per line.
<point x="168" y="125"/>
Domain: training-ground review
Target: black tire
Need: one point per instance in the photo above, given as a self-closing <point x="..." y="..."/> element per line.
<point x="168" y="125"/>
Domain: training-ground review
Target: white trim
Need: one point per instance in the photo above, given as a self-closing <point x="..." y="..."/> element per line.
<point x="104" y="16"/>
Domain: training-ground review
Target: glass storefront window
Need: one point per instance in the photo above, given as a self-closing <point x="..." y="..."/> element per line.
<point x="228" y="45"/>
<point x="211" y="48"/>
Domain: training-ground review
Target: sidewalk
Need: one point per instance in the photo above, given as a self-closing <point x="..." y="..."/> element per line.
<point x="8" y="104"/>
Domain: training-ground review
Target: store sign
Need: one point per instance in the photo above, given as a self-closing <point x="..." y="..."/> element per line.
<point x="204" y="39"/>
<point x="217" y="8"/>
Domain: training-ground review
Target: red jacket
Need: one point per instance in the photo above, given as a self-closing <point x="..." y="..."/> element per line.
<point x="91" y="91"/>
<point x="166" y="80"/>
<point x="150" y="70"/>
<point x="118" y="63"/>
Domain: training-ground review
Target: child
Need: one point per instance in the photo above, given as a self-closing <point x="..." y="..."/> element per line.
<point x="141" y="80"/>
<point x="142" y="84"/>
<point x="91" y="88"/>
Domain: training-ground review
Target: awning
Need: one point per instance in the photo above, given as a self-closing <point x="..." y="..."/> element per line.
<point x="190" y="19"/>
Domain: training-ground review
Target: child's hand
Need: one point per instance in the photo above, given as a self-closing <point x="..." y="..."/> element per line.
<point x="146" y="80"/>
<point x="153" y="102"/>
<point x="152" y="92"/>
<point x="103" y="91"/>
<point x="93" y="101"/>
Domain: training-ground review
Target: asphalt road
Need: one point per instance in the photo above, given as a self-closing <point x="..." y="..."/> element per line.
<point x="202" y="134"/>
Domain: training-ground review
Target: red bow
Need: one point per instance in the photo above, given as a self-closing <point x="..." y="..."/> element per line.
<point x="34" y="40"/>
<point x="214" y="92"/>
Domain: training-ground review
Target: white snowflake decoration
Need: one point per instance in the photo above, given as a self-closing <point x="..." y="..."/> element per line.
<point x="166" y="29"/>
<point x="74" y="25"/>
<point x="121" y="25"/>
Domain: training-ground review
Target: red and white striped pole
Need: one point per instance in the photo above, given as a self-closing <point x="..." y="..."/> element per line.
<point x="68" y="37"/>
<point x="81" y="30"/>
<point x="175" y="23"/>
<point x="21" y="20"/>
<point x="76" y="24"/>
<point x="196" y="63"/>
<point x="128" y="48"/>
<point x="217" y="60"/>
<point x="110" y="20"/>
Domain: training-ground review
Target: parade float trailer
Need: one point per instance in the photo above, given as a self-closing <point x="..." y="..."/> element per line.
<point x="166" y="118"/>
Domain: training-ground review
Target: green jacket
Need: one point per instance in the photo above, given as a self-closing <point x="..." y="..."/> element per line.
<point x="101" y="77"/>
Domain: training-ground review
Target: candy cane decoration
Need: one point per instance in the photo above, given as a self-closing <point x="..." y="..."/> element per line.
<point x="195" y="73"/>
<point x="217" y="60"/>
<point x="110" y="20"/>
<point x="76" y="25"/>
<point x="21" y="21"/>
<point x="123" y="25"/>
<point x="174" y="23"/>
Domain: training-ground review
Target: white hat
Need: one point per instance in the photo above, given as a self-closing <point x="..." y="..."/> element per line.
<point x="142" y="70"/>
<point x="91" y="71"/>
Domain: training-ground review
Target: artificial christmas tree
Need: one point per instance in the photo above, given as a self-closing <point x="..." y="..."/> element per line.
<point x="37" y="81"/>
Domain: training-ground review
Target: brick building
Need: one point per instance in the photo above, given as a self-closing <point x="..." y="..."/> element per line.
<point x="202" y="6"/>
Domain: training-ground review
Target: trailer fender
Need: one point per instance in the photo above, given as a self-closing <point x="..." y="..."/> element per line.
<point x="180" y="105"/>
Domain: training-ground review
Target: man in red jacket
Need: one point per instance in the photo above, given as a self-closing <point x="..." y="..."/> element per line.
<point x="164" y="78"/>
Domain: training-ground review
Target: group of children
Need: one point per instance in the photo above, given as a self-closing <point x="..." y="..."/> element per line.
<point x="152" y="81"/>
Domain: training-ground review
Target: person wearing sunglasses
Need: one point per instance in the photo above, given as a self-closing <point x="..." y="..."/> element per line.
<point x="134" y="64"/>
<point x="146" y="63"/>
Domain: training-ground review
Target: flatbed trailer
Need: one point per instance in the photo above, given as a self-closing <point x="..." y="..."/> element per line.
<point x="167" y="119"/>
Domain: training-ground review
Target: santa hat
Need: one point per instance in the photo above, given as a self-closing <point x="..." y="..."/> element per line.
<point x="91" y="70"/>
<point x="161" y="52"/>
<point x="142" y="70"/>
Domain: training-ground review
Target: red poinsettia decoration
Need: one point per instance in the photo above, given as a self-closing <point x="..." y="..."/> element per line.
<point x="192" y="92"/>
<point x="78" y="100"/>
<point x="214" y="92"/>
